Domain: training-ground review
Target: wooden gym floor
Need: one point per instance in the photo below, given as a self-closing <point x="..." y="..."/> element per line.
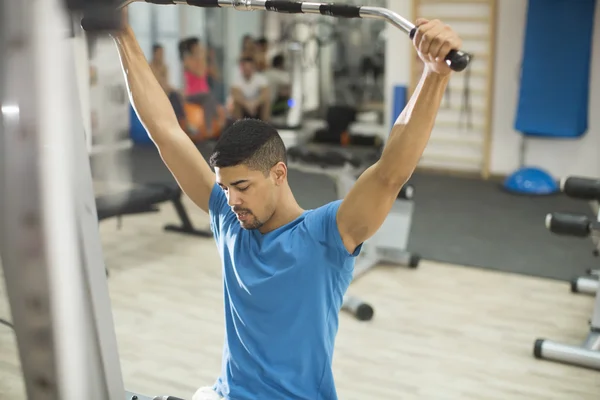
<point x="439" y="332"/>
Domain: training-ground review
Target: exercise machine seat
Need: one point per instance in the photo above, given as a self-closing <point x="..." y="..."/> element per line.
<point x="134" y="201"/>
<point x="324" y="158"/>
<point x="154" y="185"/>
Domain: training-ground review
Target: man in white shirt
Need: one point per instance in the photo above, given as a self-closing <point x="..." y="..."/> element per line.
<point x="250" y="92"/>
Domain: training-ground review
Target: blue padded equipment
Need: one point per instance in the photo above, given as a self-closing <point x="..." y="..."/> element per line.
<point x="399" y="99"/>
<point x="137" y="132"/>
<point x="554" y="92"/>
<point x="531" y="181"/>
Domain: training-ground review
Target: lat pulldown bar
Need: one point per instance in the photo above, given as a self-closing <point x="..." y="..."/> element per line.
<point x="457" y="60"/>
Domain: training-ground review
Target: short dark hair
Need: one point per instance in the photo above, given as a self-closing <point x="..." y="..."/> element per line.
<point x="262" y="41"/>
<point x="249" y="142"/>
<point x="186" y="46"/>
<point x="156" y="47"/>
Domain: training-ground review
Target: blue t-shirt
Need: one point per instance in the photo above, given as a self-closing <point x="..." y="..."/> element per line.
<point x="283" y="293"/>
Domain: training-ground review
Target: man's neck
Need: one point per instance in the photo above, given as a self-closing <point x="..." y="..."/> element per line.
<point x="288" y="211"/>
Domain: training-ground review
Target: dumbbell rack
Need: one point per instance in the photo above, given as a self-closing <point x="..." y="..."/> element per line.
<point x="588" y="354"/>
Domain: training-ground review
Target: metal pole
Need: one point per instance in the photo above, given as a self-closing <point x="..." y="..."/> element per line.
<point x="52" y="263"/>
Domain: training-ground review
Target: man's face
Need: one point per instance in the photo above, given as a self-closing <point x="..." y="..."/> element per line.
<point x="247" y="68"/>
<point x="251" y="194"/>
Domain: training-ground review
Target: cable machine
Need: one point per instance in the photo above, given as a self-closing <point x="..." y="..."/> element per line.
<point x="49" y="241"/>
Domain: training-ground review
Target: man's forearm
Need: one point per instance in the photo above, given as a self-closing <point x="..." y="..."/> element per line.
<point x="412" y="129"/>
<point x="148" y="97"/>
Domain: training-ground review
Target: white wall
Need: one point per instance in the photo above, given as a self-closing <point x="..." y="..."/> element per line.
<point x="559" y="157"/>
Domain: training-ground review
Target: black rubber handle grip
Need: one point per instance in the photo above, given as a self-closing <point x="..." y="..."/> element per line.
<point x="457" y="60"/>
<point x="204" y="3"/>
<point x="581" y="188"/>
<point x="161" y="2"/>
<point x="195" y="3"/>
<point x="286" y="7"/>
<point x="340" y="10"/>
<point x="569" y="224"/>
<point x="98" y="19"/>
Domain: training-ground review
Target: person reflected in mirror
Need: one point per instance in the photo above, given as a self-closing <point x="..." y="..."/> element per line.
<point x="250" y="92"/>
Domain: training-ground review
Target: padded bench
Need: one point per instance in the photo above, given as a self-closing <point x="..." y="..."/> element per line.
<point x="146" y="198"/>
<point x="153" y="185"/>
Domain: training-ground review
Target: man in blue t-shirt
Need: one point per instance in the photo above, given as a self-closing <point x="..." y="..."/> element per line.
<point x="285" y="269"/>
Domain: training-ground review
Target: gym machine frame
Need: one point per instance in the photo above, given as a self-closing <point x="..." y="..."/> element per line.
<point x="588" y="353"/>
<point x="50" y="243"/>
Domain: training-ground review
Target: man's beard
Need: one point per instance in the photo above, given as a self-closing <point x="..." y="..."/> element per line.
<point x="249" y="220"/>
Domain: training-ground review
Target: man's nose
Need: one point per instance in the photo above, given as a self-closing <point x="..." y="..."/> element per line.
<point x="234" y="198"/>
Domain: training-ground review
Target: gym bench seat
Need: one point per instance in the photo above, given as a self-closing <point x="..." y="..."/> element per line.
<point x="145" y="198"/>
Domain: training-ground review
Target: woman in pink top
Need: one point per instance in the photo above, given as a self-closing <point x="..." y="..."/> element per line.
<point x="196" y="72"/>
<point x="195" y="84"/>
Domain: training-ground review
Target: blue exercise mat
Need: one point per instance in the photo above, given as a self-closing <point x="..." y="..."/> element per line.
<point x="553" y="98"/>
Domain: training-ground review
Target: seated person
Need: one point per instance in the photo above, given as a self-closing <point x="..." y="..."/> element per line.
<point x="250" y="92"/>
<point x="280" y="84"/>
<point x="196" y="73"/>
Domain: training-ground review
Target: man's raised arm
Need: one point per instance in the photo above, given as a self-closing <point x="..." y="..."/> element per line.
<point x="156" y="113"/>
<point x="367" y="205"/>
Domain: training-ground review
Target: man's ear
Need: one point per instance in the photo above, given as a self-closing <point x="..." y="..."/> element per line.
<point x="279" y="171"/>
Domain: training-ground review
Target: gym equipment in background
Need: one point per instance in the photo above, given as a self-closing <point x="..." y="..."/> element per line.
<point x="589" y="284"/>
<point x="584" y="189"/>
<point x="588" y="354"/>
<point x="389" y="244"/>
<point x="292" y="119"/>
<point x="456" y="59"/>
<point x="530" y="181"/>
<point x="50" y="243"/>
<point x="399" y="100"/>
<point x="151" y="186"/>
<point x="553" y="97"/>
